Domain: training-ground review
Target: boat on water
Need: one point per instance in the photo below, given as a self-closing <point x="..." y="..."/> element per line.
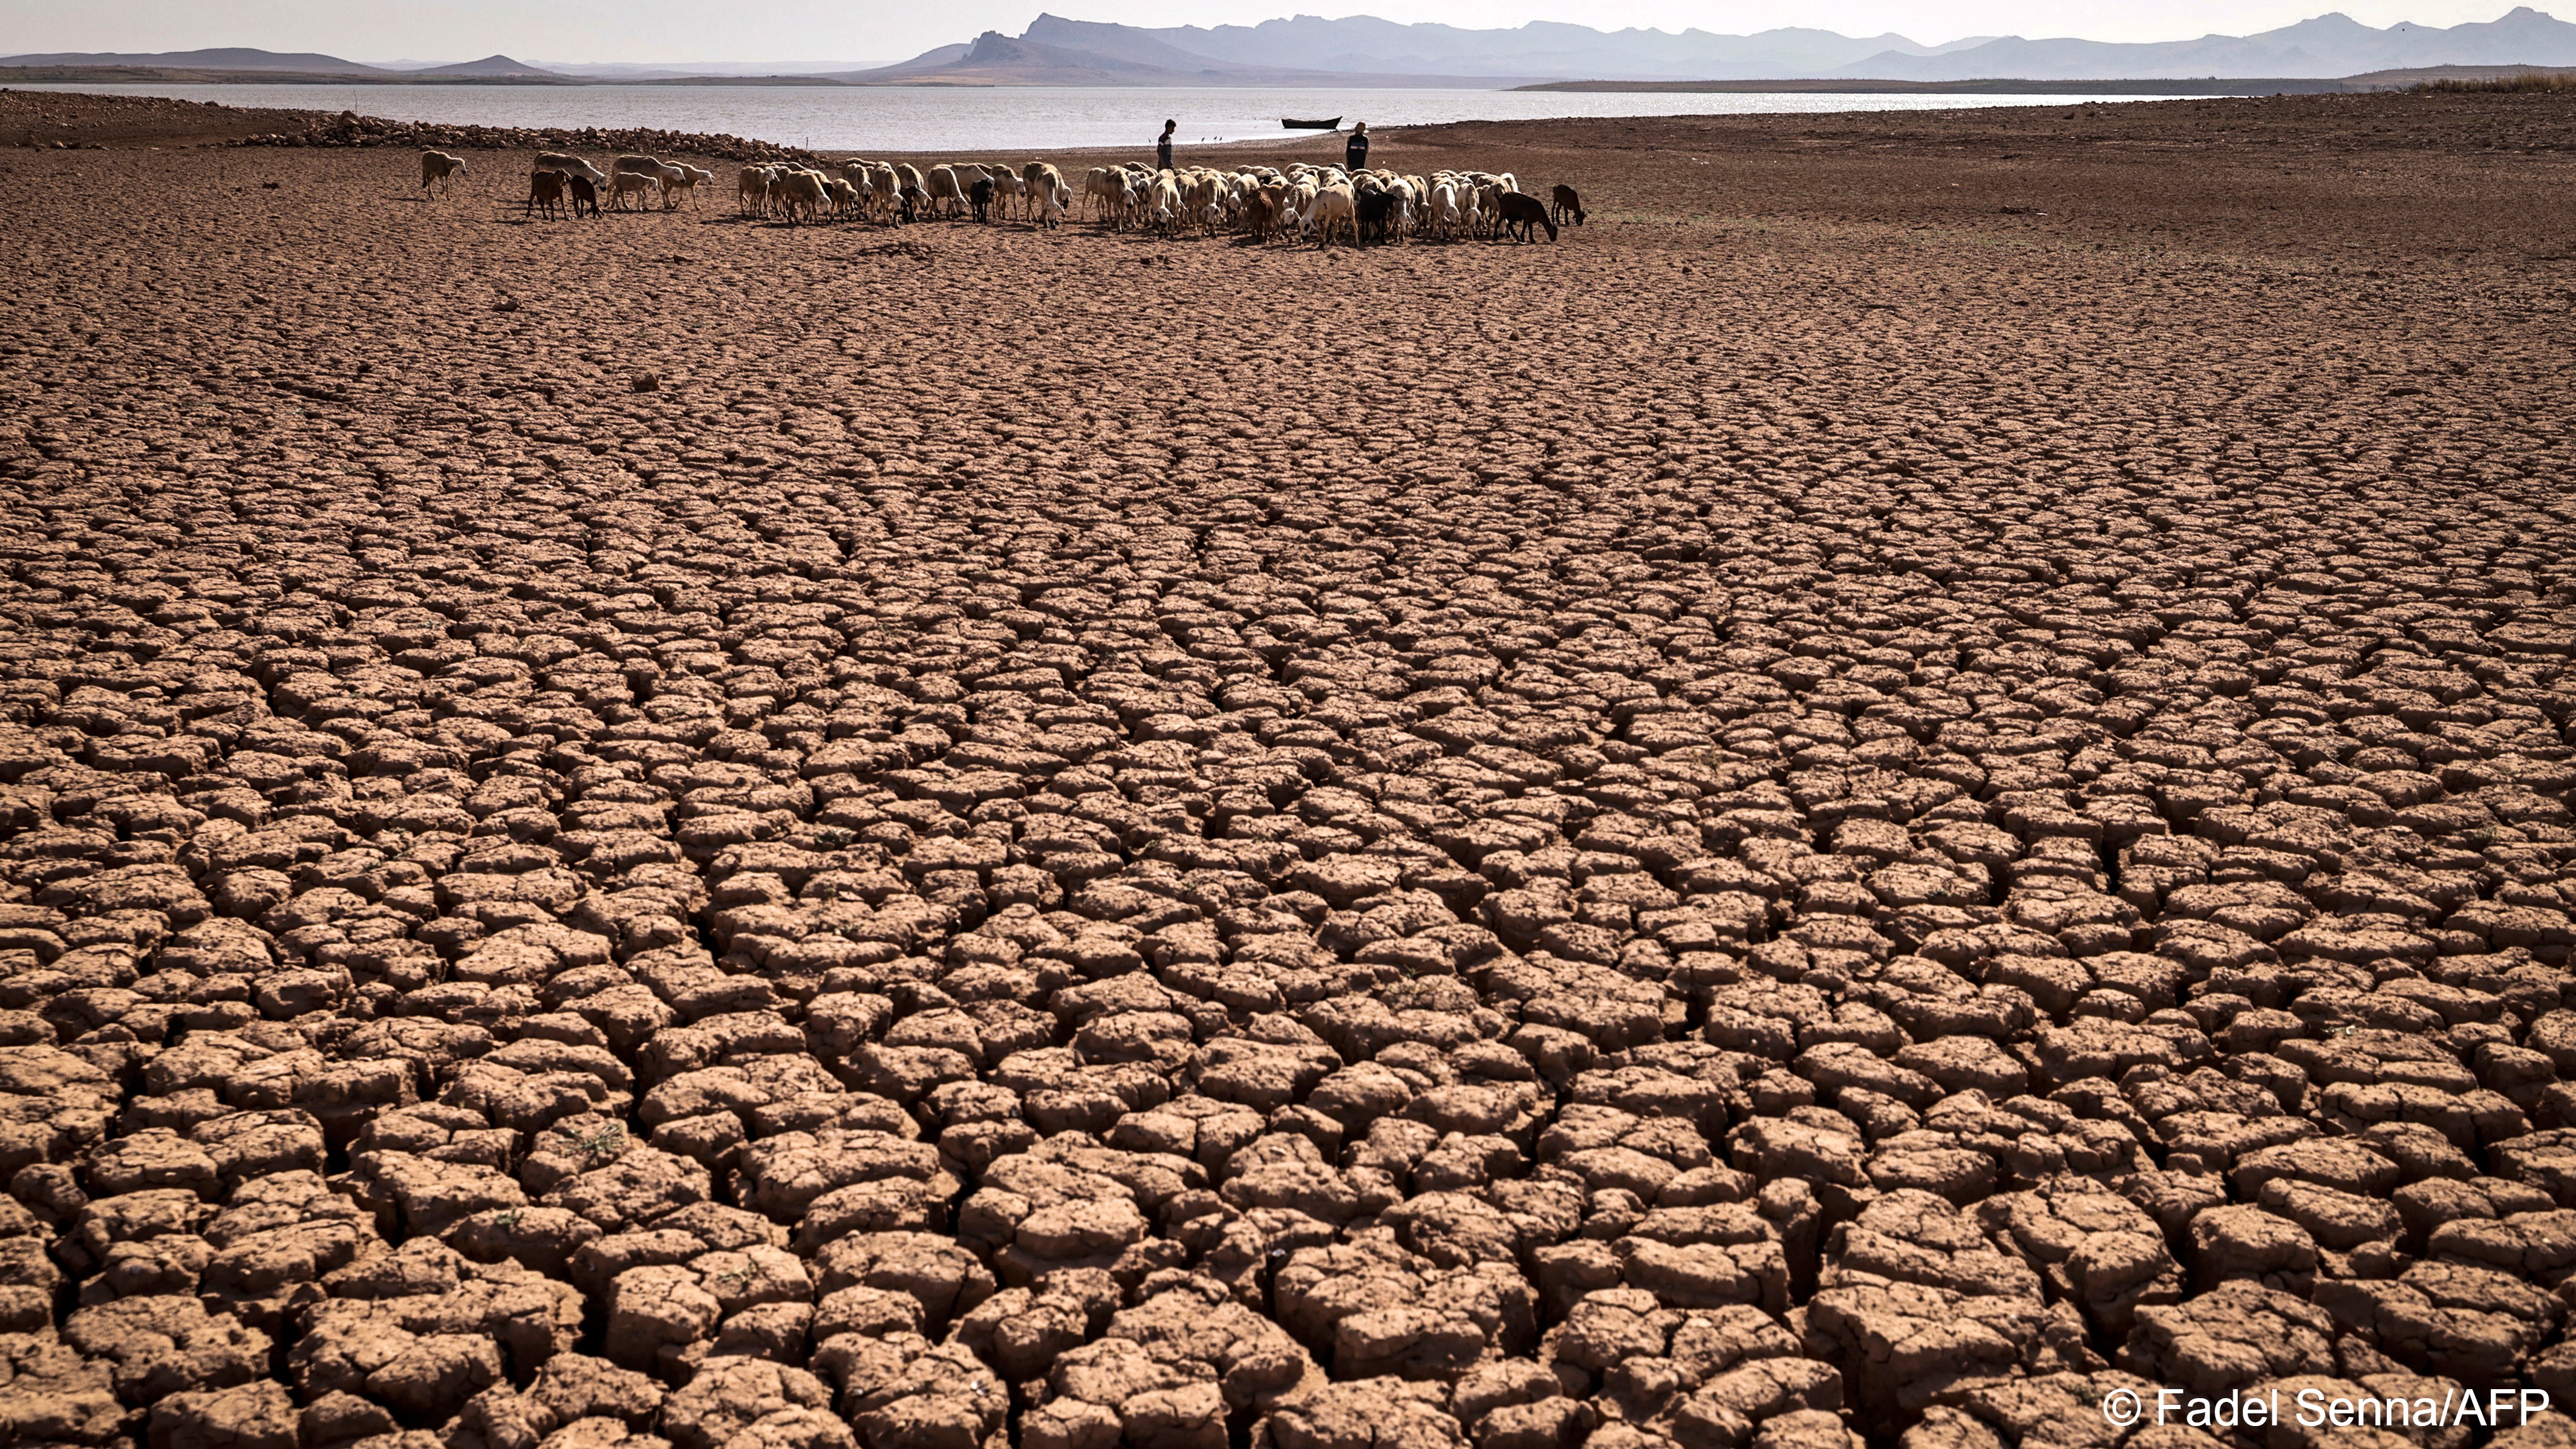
<point x="1334" y="124"/>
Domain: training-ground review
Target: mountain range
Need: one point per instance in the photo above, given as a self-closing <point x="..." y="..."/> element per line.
<point x="241" y="59"/>
<point x="1362" y="46"/>
<point x="1361" y="50"/>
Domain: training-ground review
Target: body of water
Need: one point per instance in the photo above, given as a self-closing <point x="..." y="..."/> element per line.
<point x="1034" y="118"/>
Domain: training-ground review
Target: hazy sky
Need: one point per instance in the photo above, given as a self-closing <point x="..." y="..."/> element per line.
<point x="872" y="30"/>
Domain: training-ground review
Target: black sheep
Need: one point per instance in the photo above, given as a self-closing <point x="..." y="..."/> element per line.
<point x="1377" y="215"/>
<point x="1523" y="211"/>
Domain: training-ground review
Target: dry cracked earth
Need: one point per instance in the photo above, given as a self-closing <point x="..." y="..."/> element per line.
<point x="1825" y="814"/>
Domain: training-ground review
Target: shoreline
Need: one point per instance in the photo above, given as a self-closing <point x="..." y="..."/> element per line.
<point x="153" y="120"/>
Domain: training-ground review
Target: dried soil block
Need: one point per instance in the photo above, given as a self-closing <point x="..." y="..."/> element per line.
<point x="1102" y="892"/>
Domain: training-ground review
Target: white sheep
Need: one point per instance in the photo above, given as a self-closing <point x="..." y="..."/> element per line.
<point x="800" y="192"/>
<point x="440" y="167"/>
<point x="1041" y="182"/>
<point x="947" y="191"/>
<point x="631" y="183"/>
<point x="1335" y="209"/>
<point x="570" y="166"/>
<point x="677" y="179"/>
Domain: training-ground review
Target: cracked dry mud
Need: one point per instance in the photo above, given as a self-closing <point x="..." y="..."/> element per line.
<point x="1757" y="829"/>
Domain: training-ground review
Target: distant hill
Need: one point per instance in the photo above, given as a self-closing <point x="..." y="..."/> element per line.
<point x="2399" y="79"/>
<point x="1058" y="52"/>
<point x="1364" y="44"/>
<point x="490" y="67"/>
<point x="2329" y="45"/>
<point x="236" y="65"/>
<point x="1362" y="50"/>
<point x="231" y="58"/>
<point x="1366" y="51"/>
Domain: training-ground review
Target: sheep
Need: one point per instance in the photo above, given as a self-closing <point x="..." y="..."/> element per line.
<point x="440" y="167"/>
<point x="801" y="192"/>
<point x="1301" y="204"/>
<point x="679" y="179"/>
<point x="571" y="166"/>
<point x="844" y="196"/>
<point x="979" y="195"/>
<point x="545" y="189"/>
<point x="1197" y="192"/>
<point x="1049" y="205"/>
<point x="1163" y="205"/>
<point x="751" y="191"/>
<point x="943" y="186"/>
<point x="1007" y="187"/>
<point x="1448" y="216"/>
<point x="1376" y="215"/>
<point x="1335" y="209"/>
<point x="907" y="180"/>
<point x="648" y="165"/>
<point x="1111" y="188"/>
<point x="583" y="194"/>
<point x="635" y="183"/>
<point x="860" y="176"/>
<point x="1565" y="204"/>
<point x="1264" y="210"/>
<point x="1042" y="182"/>
<point x="1525" y="212"/>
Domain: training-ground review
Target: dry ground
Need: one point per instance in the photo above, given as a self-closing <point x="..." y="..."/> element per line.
<point x="1923" y="770"/>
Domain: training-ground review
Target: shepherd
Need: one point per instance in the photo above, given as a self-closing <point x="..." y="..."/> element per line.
<point x="1356" y="154"/>
<point x="1163" y="147"/>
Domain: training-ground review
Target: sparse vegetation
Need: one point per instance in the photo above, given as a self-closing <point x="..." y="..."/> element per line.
<point x="2521" y="81"/>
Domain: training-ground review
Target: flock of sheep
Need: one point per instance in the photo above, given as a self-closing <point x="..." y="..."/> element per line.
<point x="559" y="180"/>
<point x="1321" y="203"/>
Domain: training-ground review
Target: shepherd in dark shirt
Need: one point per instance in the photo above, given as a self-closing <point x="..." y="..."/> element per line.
<point x="1163" y="147"/>
<point x="1357" y="152"/>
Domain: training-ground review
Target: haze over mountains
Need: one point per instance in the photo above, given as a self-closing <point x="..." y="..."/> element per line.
<point x="2330" y="45"/>
<point x="245" y="60"/>
<point x="1362" y="50"/>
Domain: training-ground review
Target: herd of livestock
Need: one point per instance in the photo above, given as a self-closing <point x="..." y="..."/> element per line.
<point x="1302" y="202"/>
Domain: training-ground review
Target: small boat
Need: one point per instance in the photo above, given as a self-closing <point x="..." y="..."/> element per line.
<point x="1334" y="124"/>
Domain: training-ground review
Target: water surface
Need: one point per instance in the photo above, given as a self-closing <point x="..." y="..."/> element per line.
<point x="1035" y="118"/>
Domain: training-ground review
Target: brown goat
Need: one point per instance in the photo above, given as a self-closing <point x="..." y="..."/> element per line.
<point x="1566" y="204"/>
<point x="546" y="191"/>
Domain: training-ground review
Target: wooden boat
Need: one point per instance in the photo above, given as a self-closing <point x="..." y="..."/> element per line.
<point x="1334" y="124"/>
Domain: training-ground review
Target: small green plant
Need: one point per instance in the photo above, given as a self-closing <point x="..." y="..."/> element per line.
<point x="834" y="837"/>
<point x="608" y="1142"/>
